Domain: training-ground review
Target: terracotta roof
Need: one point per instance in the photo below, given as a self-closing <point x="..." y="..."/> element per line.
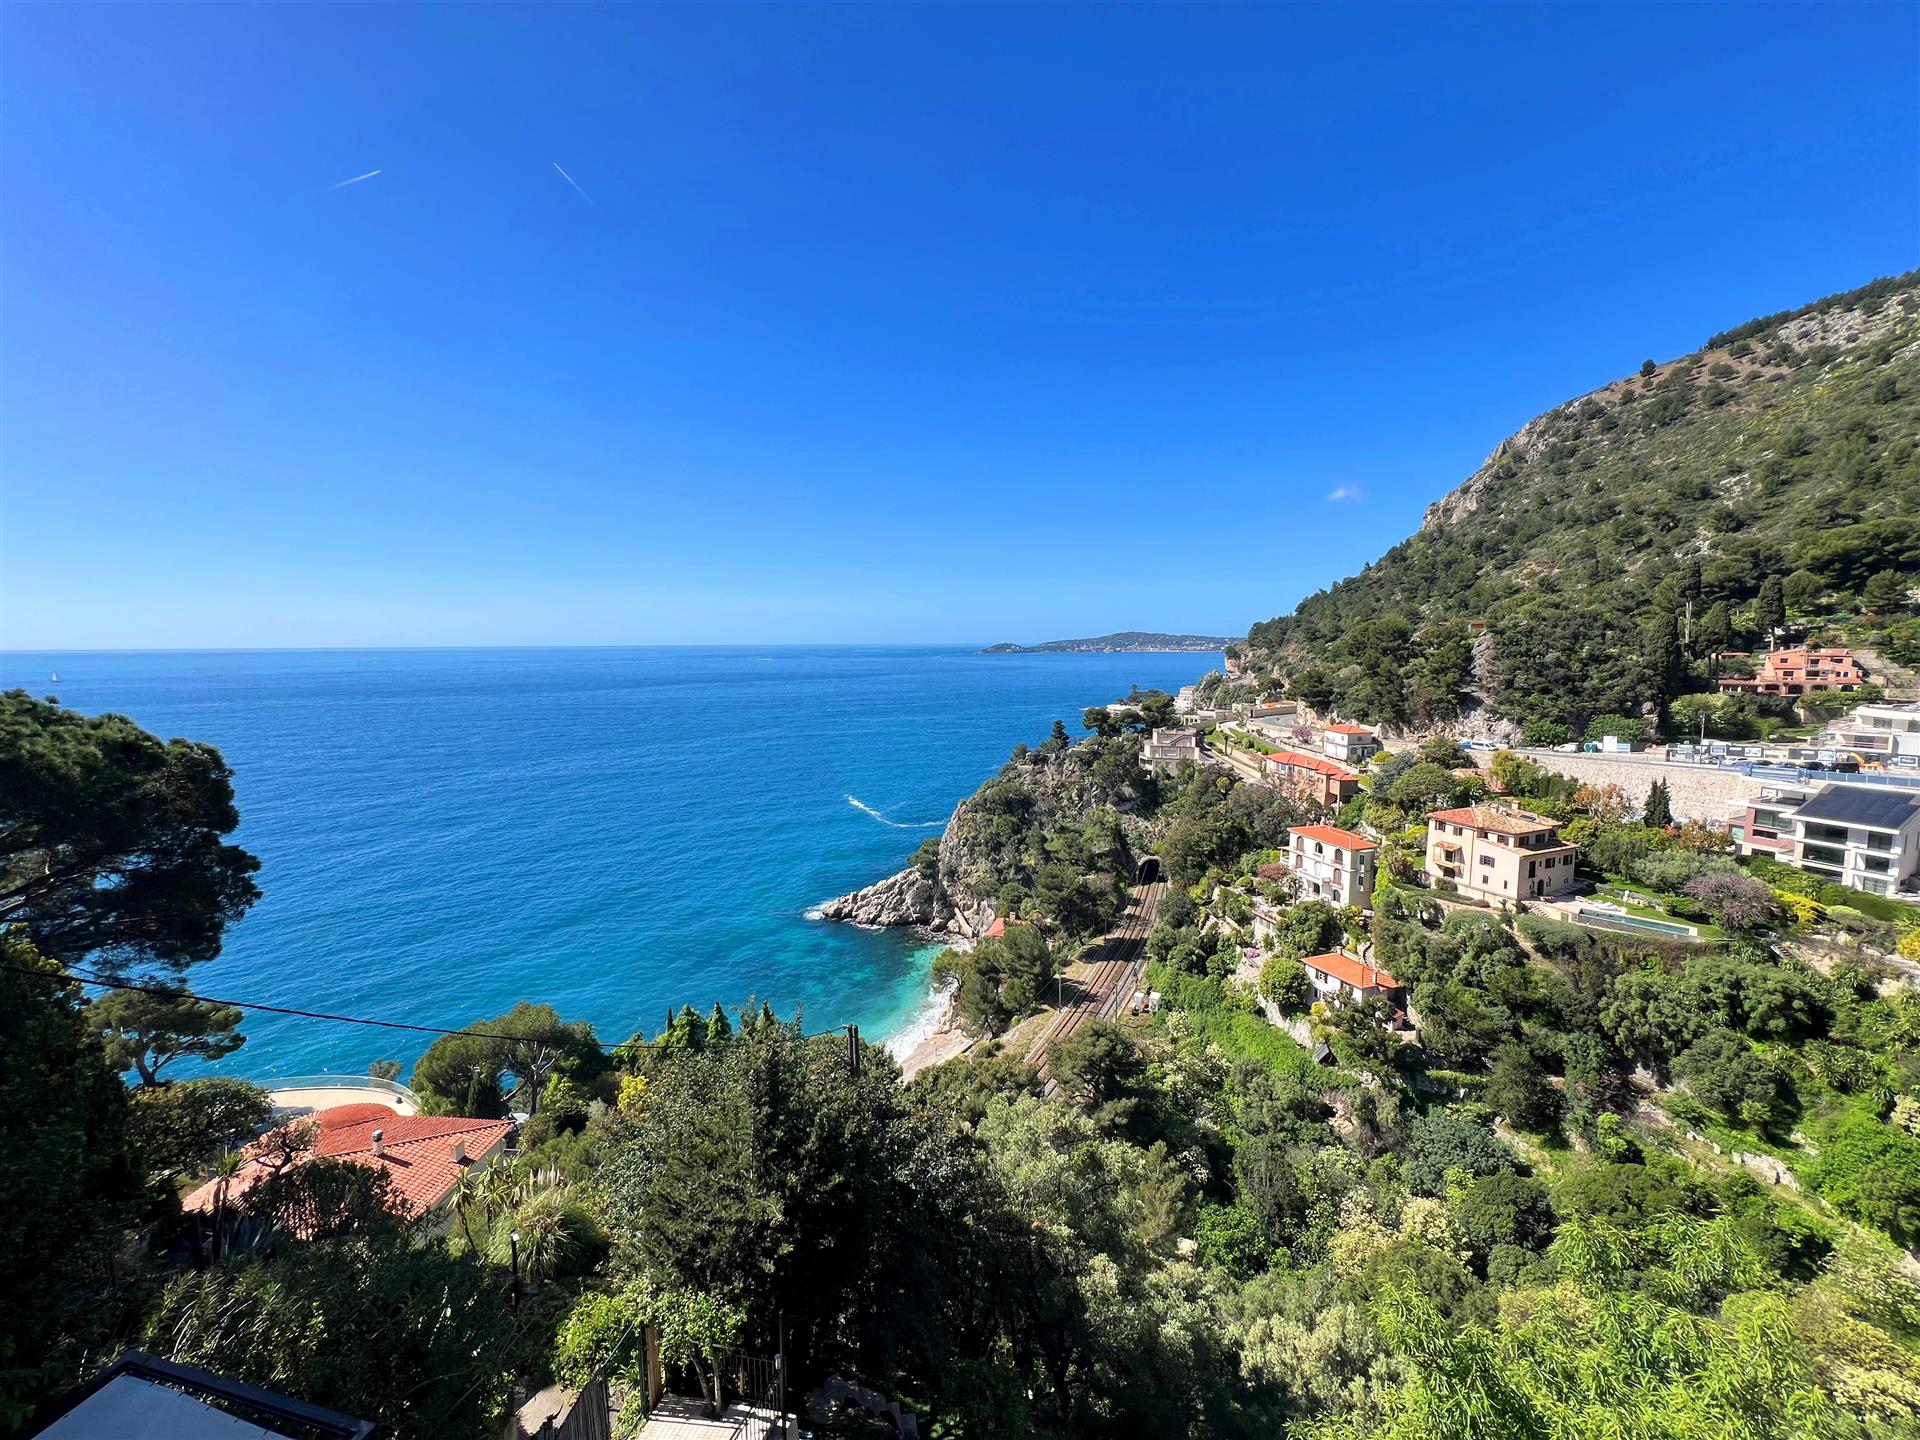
<point x="1350" y="971"/>
<point x="1492" y="817"/>
<point x="1345" y="729"/>
<point x="1293" y="759"/>
<point x="1334" y="835"/>
<point x="417" y="1152"/>
<point x="999" y="927"/>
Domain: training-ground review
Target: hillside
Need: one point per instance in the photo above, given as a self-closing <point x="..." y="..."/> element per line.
<point x="1119" y="641"/>
<point x="1551" y="584"/>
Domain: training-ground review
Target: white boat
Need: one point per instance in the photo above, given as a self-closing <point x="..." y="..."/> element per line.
<point x="53" y="679"/>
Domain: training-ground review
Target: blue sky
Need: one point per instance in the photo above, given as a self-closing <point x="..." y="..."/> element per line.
<point x="932" y="323"/>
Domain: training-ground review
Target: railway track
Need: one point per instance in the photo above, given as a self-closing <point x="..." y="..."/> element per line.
<point x="1108" y="982"/>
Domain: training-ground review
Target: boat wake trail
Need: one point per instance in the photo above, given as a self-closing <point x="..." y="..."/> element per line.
<point x="862" y="806"/>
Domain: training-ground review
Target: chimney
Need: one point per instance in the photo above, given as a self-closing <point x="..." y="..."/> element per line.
<point x="460" y="1151"/>
<point x="379" y="1142"/>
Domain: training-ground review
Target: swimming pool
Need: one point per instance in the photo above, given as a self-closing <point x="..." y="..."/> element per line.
<point x="1616" y="920"/>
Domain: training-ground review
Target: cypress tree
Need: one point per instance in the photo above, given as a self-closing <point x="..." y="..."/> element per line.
<point x="1770" y="607"/>
<point x="1659" y="807"/>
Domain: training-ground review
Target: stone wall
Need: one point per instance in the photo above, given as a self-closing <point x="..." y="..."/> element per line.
<point x="1698" y="792"/>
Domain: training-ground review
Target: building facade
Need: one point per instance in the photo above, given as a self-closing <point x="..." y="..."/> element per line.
<point x="1331" y="864"/>
<point x="1342" y="980"/>
<point x="1799" y="671"/>
<point x="1858" y="835"/>
<point x="1878" y="732"/>
<point x="1351" y="745"/>
<point x="1497" y="854"/>
<point x="1765" y="824"/>
<point x="1166" y="748"/>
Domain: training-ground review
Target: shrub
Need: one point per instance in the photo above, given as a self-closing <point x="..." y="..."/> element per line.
<point x="1442" y="1142"/>
<point x="1723" y="1070"/>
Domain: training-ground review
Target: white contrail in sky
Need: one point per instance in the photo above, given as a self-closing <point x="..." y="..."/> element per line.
<point x="576" y="184"/>
<point x="354" y="181"/>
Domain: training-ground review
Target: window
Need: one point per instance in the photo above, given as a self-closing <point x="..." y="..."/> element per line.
<point x="1486" y="861"/>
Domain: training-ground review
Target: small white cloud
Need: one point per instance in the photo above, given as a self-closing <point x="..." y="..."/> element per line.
<point x="1343" y="492"/>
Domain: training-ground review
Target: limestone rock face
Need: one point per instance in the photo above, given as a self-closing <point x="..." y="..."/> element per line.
<point x="908" y="898"/>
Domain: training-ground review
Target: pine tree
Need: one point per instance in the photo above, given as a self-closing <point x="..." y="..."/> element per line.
<point x="1885" y="592"/>
<point x="1659" y="807"/>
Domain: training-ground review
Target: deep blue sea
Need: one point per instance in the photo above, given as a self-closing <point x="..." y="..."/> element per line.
<point x="613" y="831"/>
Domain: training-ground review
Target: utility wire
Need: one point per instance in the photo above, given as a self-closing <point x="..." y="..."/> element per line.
<point x="83" y="978"/>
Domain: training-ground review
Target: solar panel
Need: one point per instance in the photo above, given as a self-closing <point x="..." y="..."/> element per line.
<point x="1860" y="805"/>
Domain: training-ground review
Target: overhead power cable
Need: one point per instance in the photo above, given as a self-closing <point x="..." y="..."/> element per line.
<point x="83" y="978"/>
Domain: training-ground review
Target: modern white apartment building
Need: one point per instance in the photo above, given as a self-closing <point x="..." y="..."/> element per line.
<point x="1863" y="836"/>
<point x="1877" y="732"/>
<point x="1331" y="864"/>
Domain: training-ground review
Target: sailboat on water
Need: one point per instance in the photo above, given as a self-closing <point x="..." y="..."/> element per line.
<point x="54" y="678"/>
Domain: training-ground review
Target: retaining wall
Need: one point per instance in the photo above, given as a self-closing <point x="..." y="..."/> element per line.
<point x="1698" y="793"/>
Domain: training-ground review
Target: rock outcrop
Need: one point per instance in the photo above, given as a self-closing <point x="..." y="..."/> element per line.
<point x="909" y="898"/>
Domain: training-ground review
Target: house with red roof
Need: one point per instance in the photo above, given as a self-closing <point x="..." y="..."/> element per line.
<point x="1340" y="979"/>
<point x="1332" y="864"/>
<point x="424" y="1156"/>
<point x="1311" y="777"/>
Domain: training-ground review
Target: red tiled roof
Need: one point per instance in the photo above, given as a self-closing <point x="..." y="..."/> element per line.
<point x="999" y="927"/>
<point x="1491" y="817"/>
<point x="1350" y="971"/>
<point x="1293" y="759"/>
<point x="1345" y="729"/>
<point x="416" y="1152"/>
<point x="1334" y="835"/>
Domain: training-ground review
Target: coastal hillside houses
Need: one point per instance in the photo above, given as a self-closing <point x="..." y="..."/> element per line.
<point x="423" y="1155"/>
<point x="1310" y="777"/>
<point x="1499" y="854"/>
<point x="1170" y="746"/>
<point x="1331" y="864"/>
<point x="1860" y="836"/>
<point x="1351" y="745"/>
<point x="1799" y="670"/>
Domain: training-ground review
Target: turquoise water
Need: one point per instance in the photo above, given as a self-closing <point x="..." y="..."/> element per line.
<point x="616" y="832"/>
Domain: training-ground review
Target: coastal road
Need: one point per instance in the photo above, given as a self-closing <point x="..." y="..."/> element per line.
<point x="1112" y="975"/>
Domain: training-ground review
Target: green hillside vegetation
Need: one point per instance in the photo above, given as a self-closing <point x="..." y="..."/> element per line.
<point x="1766" y="486"/>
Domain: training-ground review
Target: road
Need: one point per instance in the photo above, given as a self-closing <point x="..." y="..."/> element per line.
<point x="1112" y="975"/>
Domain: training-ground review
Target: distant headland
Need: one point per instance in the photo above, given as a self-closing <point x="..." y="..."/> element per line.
<point x="1120" y="640"/>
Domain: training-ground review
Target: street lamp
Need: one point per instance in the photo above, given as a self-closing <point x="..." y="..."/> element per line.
<point x="513" y="1242"/>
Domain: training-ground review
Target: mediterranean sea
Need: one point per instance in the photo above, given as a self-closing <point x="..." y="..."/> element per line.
<point x="616" y="832"/>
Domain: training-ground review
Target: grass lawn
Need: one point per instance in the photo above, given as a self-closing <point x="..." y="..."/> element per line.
<point x="1647" y="905"/>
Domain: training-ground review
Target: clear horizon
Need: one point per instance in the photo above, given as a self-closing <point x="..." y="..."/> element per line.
<point x="563" y="645"/>
<point x="415" y="327"/>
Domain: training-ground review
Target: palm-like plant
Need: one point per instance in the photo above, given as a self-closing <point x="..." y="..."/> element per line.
<point x="224" y="1170"/>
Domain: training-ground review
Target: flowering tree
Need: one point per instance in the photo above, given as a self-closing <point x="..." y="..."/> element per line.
<point x="1737" y="901"/>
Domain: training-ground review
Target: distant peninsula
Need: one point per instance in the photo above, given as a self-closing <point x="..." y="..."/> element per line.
<point x="1121" y="640"/>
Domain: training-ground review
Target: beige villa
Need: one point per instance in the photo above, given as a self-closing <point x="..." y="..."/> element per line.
<point x="1498" y="854"/>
